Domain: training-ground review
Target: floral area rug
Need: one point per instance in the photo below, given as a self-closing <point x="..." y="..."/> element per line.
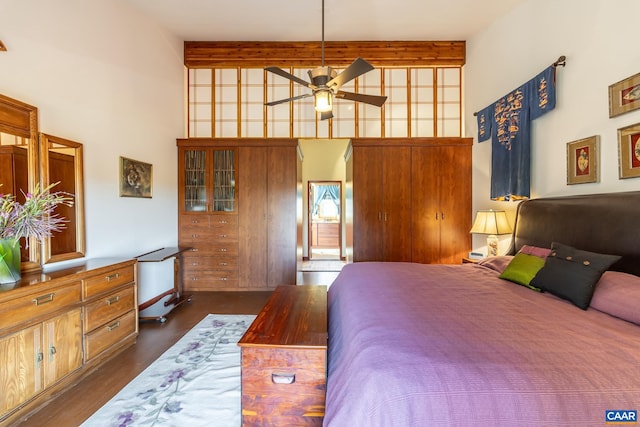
<point x="194" y="383"/>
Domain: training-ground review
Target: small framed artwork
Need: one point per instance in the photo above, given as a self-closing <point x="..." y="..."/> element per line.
<point x="136" y="178"/>
<point x="624" y="96"/>
<point x="629" y="151"/>
<point x="582" y="160"/>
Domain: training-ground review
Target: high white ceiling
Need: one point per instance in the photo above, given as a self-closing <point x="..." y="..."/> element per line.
<point x="301" y="20"/>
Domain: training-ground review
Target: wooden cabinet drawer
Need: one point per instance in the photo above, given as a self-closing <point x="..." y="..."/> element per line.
<point x="32" y="306"/>
<point x="194" y="263"/>
<point x="197" y="279"/>
<point x="210" y="248"/>
<point x="108" y="335"/>
<point x="287" y="385"/>
<point x="98" y="284"/>
<point x="108" y="307"/>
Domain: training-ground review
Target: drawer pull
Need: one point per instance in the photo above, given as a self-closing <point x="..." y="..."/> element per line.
<point x="113" y="326"/>
<point x="195" y="263"/>
<point x="113" y="300"/>
<point x="223" y="249"/>
<point x="283" y="378"/>
<point x="222" y="278"/>
<point x="112" y="277"/>
<point x="222" y="221"/>
<point x="223" y="236"/>
<point x="224" y="264"/>
<point x="195" y="236"/>
<point x="43" y="299"/>
<point x="52" y="350"/>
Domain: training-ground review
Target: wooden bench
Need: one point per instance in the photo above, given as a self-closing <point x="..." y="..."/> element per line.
<point x="284" y="359"/>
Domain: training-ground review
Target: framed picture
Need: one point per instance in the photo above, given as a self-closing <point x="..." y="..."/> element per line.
<point x="624" y="96"/>
<point x="629" y="151"/>
<point x="582" y="160"/>
<point x="136" y="178"/>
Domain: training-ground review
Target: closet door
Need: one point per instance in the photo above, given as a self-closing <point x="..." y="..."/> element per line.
<point x="396" y="212"/>
<point x="455" y="203"/>
<point x="252" y="202"/>
<point x="367" y="203"/>
<point x="281" y="215"/>
<point x="441" y="203"/>
<point x="426" y="217"/>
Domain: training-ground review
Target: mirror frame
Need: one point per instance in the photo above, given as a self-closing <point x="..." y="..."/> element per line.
<point x="20" y="119"/>
<point x="46" y="141"/>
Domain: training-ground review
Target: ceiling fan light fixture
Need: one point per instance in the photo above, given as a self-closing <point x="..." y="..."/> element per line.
<point x="323" y="100"/>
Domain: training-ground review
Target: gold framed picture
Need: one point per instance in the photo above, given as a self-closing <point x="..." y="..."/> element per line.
<point x="629" y="151"/>
<point x="624" y="96"/>
<point x="582" y="160"/>
<point x="136" y="178"/>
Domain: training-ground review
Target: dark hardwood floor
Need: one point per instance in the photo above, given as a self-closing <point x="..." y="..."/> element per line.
<point x="73" y="407"/>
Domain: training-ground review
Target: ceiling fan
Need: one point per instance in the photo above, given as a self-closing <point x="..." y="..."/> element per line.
<point x="326" y="83"/>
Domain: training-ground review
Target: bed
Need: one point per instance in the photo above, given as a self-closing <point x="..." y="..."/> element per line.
<point x="457" y="345"/>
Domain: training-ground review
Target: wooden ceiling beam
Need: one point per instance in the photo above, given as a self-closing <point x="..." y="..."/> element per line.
<point x="228" y="54"/>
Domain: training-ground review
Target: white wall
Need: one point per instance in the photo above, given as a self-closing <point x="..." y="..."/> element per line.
<point x="601" y="49"/>
<point x="103" y="75"/>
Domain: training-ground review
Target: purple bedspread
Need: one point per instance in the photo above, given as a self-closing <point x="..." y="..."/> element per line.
<point x="454" y="345"/>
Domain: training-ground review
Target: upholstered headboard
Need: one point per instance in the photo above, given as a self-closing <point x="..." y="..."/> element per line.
<point x="604" y="223"/>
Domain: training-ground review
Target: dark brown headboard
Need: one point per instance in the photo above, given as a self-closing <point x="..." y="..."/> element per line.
<point x="604" y="223"/>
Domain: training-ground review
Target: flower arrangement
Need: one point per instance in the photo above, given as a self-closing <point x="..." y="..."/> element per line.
<point x="35" y="217"/>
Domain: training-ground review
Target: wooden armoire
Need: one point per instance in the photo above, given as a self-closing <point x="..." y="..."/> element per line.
<point x="238" y="208"/>
<point x="409" y="199"/>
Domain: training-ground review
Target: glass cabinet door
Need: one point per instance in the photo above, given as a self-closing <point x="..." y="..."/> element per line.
<point x="224" y="181"/>
<point x="195" y="179"/>
<point x="210" y="180"/>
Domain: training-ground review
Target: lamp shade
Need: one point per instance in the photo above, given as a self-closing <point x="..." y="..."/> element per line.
<point x="323" y="101"/>
<point x="491" y="222"/>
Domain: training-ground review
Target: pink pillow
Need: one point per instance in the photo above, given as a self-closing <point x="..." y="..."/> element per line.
<point x="618" y="294"/>
<point x="536" y="251"/>
<point x="497" y="263"/>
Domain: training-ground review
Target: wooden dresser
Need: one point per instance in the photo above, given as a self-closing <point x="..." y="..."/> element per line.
<point x="57" y="327"/>
<point x="284" y="359"/>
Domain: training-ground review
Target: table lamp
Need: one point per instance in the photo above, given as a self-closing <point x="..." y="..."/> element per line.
<point x="491" y="223"/>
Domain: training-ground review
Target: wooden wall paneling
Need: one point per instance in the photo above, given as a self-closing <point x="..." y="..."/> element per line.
<point x="253" y="54"/>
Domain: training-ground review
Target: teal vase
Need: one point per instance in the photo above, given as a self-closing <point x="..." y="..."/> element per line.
<point x="9" y="261"/>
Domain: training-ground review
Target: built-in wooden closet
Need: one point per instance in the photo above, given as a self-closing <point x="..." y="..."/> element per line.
<point x="410" y="199"/>
<point x="239" y="215"/>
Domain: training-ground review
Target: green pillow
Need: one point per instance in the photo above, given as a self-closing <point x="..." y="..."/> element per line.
<point x="522" y="269"/>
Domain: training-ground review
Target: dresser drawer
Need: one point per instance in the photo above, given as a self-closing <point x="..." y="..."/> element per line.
<point x="285" y="385"/>
<point x="108" y="335"/>
<point x="108" y="307"/>
<point x="199" y="232"/>
<point x="194" y="263"/>
<point x="29" y="307"/>
<point x="98" y="284"/>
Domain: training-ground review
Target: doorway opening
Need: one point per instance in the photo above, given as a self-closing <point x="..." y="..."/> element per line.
<point x="325" y="220"/>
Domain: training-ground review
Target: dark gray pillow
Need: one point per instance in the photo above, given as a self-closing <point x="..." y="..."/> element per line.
<point x="572" y="274"/>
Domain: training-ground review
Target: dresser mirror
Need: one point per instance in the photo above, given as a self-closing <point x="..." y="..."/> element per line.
<point x="19" y="170"/>
<point x="61" y="162"/>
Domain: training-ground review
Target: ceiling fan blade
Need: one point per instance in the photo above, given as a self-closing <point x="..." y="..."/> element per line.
<point x="357" y="68"/>
<point x="283" y="73"/>
<point x="282" y="101"/>
<point x="361" y="97"/>
<point x="326" y="115"/>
